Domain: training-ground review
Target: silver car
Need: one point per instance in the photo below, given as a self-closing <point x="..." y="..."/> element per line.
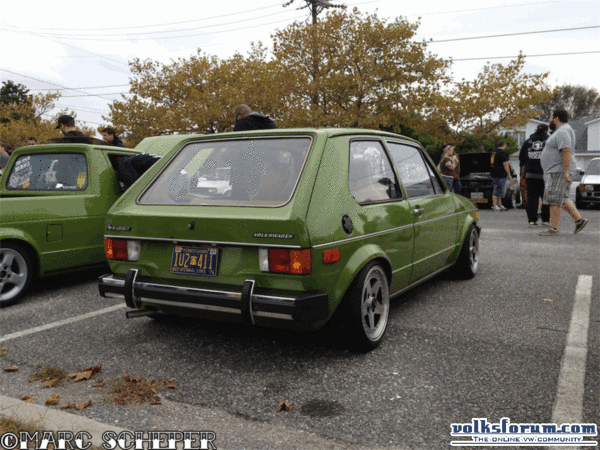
<point x="588" y="191"/>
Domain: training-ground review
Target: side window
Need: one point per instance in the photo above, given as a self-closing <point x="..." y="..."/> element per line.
<point x="49" y="172"/>
<point x="370" y="174"/>
<point x="434" y="179"/>
<point x="414" y="172"/>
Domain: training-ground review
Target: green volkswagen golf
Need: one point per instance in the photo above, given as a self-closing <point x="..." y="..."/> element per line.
<point x="287" y="228"/>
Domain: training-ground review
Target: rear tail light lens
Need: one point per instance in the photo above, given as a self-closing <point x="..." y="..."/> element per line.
<point x="296" y="262"/>
<point x="122" y="249"/>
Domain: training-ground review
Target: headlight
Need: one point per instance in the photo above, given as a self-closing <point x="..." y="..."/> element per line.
<point x="589" y="187"/>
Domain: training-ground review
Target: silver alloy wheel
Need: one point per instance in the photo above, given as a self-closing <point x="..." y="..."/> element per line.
<point x="13" y="273"/>
<point x="474" y="250"/>
<point x="375" y="303"/>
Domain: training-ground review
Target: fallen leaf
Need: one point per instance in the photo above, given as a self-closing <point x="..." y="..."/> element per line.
<point x="67" y="406"/>
<point x="53" y="400"/>
<point x="155" y="401"/>
<point x="12" y="368"/>
<point x="51" y="383"/>
<point x="28" y="399"/>
<point x="83" y="405"/>
<point x="93" y="369"/>
<point x="171" y="384"/>
<point x="549" y="300"/>
<point x="98" y="383"/>
<point x="284" y="406"/>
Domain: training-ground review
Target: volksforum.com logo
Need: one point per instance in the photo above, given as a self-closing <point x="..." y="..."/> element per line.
<point x="504" y="433"/>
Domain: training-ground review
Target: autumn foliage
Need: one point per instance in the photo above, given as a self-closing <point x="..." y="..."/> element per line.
<point x="347" y="70"/>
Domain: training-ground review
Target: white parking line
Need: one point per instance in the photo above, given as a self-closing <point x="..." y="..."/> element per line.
<point x="568" y="405"/>
<point x="61" y="322"/>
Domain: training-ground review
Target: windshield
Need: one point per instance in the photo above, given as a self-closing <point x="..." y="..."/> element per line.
<point x="594" y="168"/>
<point x="240" y="172"/>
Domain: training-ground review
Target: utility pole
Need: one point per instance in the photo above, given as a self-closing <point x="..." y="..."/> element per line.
<point x="316" y="6"/>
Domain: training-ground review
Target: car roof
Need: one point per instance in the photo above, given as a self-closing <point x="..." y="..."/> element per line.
<point x="161" y="144"/>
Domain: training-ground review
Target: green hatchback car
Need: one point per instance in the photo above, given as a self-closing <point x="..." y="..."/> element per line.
<point x="314" y="225"/>
<point x="53" y="204"/>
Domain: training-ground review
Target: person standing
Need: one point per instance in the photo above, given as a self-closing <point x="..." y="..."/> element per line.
<point x="500" y="171"/>
<point x="246" y="120"/>
<point x="530" y="157"/>
<point x="66" y="124"/>
<point x="450" y="168"/>
<point x="109" y="135"/>
<point x="4" y="157"/>
<point x="557" y="162"/>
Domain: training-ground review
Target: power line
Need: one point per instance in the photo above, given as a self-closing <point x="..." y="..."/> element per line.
<point x="92" y="95"/>
<point x="514" y="34"/>
<point x="528" y="56"/>
<point x="90" y="87"/>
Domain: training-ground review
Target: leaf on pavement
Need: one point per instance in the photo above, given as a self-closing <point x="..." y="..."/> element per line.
<point x="93" y="369"/>
<point x="98" y="383"/>
<point x="78" y="376"/>
<point x="28" y="399"/>
<point x="155" y="401"/>
<point x="67" y="405"/>
<point x="53" y="400"/>
<point x="12" y="368"/>
<point x="83" y="405"/>
<point x="171" y="384"/>
<point x="284" y="406"/>
<point x="51" y="383"/>
<point x="549" y="300"/>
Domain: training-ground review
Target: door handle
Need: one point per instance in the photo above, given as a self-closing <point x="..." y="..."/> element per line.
<point x="419" y="211"/>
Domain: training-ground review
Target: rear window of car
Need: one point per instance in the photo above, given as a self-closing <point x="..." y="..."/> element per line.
<point x="49" y="172"/>
<point x="236" y="172"/>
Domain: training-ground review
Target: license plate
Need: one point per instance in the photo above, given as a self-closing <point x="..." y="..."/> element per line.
<point x="479" y="200"/>
<point x="476" y="194"/>
<point x="194" y="261"/>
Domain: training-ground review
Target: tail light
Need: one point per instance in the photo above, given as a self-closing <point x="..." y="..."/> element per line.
<point x="122" y="249"/>
<point x="296" y="262"/>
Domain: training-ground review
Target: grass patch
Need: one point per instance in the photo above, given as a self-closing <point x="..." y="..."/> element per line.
<point x="49" y="376"/>
<point x="4" y="352"/>
<point x="130" y="389"/>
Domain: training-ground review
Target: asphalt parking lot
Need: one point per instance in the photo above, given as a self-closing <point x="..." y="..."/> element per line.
<point x="490" y="347"/>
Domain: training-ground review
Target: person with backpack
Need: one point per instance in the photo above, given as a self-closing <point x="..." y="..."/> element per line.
<point x="530" y="156"/>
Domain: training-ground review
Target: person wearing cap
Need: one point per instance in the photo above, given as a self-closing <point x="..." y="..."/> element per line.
<point x="450" y="168"/>
<point x="109" y="135"/>
<point x="66" y="124"/>
<point x="246" y="120"/>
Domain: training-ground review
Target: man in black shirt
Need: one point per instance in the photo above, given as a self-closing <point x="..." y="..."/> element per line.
<point x="109" y="135"/>
<point x="500" y="171"/>
<point x="529" y="156"/>
<point x="66" y="124"/>
<point x="246" y="120"/>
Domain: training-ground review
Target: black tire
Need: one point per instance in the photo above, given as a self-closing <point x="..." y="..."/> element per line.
<point x="510" y="199"/>
<point x="468" y="261"/>
<point x="578" y="203"/>
<point x="16" y="273"/>
<point x="366" y="309"/>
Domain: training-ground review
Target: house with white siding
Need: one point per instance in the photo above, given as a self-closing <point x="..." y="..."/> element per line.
<point x="593" y="135"/>
<point x="521" y="134"/>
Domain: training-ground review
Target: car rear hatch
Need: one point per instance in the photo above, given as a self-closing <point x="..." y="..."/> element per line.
<point x="180" y="237"/>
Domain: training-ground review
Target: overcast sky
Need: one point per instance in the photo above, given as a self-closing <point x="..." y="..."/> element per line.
<point x="87" y="45"/>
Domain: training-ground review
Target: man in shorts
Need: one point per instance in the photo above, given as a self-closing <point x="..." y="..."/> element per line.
<point x="500" y="171"/>
<point x="557" y="163"/>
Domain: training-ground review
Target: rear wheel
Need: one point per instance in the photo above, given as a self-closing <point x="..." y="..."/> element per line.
<point x="367" y="308"/>
<point x="468" y="261"/>
<point x="16" y="273"/>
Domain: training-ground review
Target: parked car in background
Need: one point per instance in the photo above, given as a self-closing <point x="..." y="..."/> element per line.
<point x="53" y="204"/>
<point x="319" y="225"/>
<point x="477" y="182"/>
<point x="588" y="191"/>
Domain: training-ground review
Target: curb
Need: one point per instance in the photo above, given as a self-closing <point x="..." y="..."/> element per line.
<point x="48" y="419"/>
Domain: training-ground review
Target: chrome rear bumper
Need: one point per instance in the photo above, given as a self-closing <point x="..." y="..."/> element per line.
<point x="305" y="308"/>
